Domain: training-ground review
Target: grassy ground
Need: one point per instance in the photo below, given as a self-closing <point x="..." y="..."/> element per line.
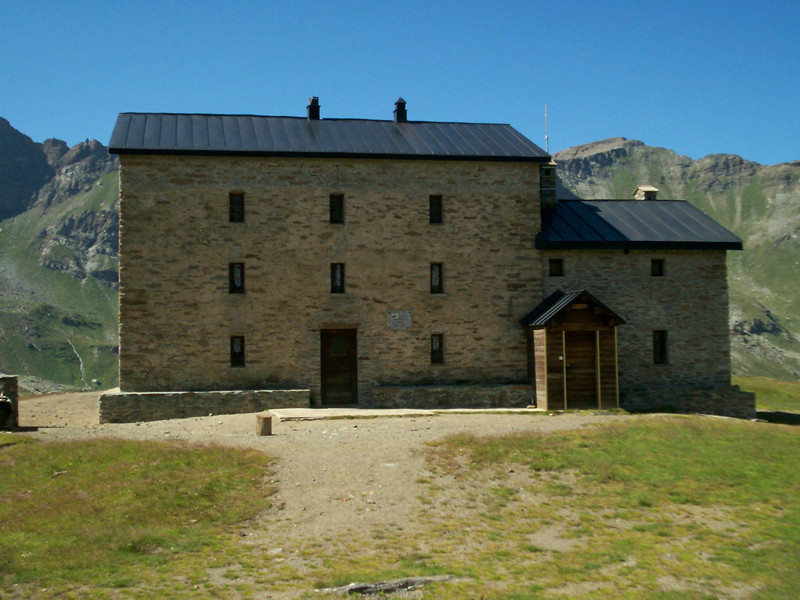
<point x="662" y="507"/>
<point x="85" y="518"/>
<point x="668" y="507"/>
<point x="771" y="394"/>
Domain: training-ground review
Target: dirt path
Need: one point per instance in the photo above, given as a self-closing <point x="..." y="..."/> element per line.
<point x="333" y="476"/>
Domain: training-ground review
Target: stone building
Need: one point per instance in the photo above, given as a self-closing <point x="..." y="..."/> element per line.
<point x="284" y="261"/>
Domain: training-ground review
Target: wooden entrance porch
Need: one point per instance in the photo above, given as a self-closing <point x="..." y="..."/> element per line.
<point x="572" y="352"/>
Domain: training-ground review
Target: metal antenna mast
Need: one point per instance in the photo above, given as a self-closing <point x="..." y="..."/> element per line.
<point x="546" y="136"/>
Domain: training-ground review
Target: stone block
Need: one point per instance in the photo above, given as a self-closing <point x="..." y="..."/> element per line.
<point x="264" y="423"/>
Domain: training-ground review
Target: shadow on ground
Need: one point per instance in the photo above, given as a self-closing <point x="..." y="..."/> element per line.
<point x="775" y="416"/>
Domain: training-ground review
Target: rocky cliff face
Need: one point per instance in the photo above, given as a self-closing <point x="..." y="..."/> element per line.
<point x="760" y="203"/>
<point x="84" y="244"/>
<point x="24" y="169"/>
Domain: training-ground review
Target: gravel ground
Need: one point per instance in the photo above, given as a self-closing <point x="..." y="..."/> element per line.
<point x="333" y="475"/>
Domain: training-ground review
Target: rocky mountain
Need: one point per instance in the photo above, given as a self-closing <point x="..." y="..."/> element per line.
<point x="58" y="261"/>
<point x="24" y="169"/>
<point x="59" y="242"/>
<point x="760" y="203"/>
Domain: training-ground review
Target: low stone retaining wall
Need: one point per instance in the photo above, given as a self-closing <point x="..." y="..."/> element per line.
<point x="128" y="407"/>
<point x="453" y="396"/>
<point x="727" y="401"/>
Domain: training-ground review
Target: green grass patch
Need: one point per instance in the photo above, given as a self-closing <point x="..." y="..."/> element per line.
<point x="772" y="394"/>
<point x="614" y="512"/>
<point x="109" y="514"/>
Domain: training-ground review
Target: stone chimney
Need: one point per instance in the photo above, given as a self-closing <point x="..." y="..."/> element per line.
<point x="400" y="112"/>
<point x="645" y="192"/>
<point x="547" y="185"/>
<point x="313" y="108"/>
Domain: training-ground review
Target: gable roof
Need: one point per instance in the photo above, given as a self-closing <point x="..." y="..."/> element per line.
<point x="252" y="135"/>
<point x="632" y="224"/>
<point x="556" y="303"/>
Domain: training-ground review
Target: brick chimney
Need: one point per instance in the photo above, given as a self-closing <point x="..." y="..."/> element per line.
<point x="645" y="192"/>
<point x="400" y="112"/>
<point x="313" y="108"/>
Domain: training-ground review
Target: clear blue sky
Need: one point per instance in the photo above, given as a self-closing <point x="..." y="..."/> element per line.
<point x="699" y="78"/>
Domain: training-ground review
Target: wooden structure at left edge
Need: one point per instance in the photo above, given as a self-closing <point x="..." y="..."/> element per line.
<point x="572" y="352"/>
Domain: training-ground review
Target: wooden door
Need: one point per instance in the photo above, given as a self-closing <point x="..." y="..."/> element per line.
<point x="581" y="369"/>
<point x="339" y="366"/>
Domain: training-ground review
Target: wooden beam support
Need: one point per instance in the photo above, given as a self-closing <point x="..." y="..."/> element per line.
<point x="616" y="365"/>
<point x="564" y="363"/>
<point x="597" y="367"/>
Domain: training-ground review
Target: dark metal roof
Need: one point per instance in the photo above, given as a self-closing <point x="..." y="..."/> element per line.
<point x="632" y="224"/>
<point x="557" y="302"/>
<point x="166" y="133"/>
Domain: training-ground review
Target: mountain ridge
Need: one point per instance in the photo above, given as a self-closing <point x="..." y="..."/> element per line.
<point x="59" y="248"/>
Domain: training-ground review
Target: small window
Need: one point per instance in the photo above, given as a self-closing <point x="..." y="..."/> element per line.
<point x="236" y="278"/>
<point x="437" y="278"/>
<point x="437" y="349"/>
<point x="659" y="347"/>
<point x="236" y="206"/>
<point x="237" y="351"/>
<point x="657" y="267"/>
<point x="337" y="278"/>
<point x="337" y="208"/>
<point x="556" y="267"/>
<point x="436" y="216"/>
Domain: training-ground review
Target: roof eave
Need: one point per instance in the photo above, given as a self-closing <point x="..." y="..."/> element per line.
<point x="637" y="245"/>
<point x="357" y="155"/>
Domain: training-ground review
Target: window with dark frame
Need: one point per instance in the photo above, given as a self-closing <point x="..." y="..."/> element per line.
<point x="436" y="215"/>
<point x="437" y="278"/>
<point x="556" y="267"/>
<point x="659" y="347"/>
<point x="236" y="207"/>
<point x="337" y="208"/>
<point x="237" y="350"/>
<point x="337" y="278"/>
<point x="657" y="267"/>
<point x="236" y="278"/>
<point x="437" y="348"/>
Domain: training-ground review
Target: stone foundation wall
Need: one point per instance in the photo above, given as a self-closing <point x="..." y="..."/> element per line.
<point x="129" y="407"/>
<point x="9" y="410"/>
<point x="454" y="396"/>
<point x="728" y="401"/>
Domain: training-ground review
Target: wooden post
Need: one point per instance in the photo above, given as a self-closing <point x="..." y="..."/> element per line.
<point x="616" y="365"/>
<point x="264" y="423"/>
<point x="546" y="384"/>
<point x="564" y="363"/>
<point x="597" y="367"/>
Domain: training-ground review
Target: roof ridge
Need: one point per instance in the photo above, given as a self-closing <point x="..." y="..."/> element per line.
<point x="322" y="119"/>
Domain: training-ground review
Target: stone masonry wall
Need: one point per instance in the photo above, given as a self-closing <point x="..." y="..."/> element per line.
<point x="690" y="302"/>
<point x="122" y="407"/>
<point x="176" y="315"/>
<point x="454" y="396"/>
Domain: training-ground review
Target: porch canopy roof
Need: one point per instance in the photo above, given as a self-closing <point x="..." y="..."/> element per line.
<point x="558" y="302"/>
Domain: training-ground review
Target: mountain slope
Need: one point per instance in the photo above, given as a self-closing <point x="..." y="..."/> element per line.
<point x="760" y="203"/>
<point x="58" y="269"/>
